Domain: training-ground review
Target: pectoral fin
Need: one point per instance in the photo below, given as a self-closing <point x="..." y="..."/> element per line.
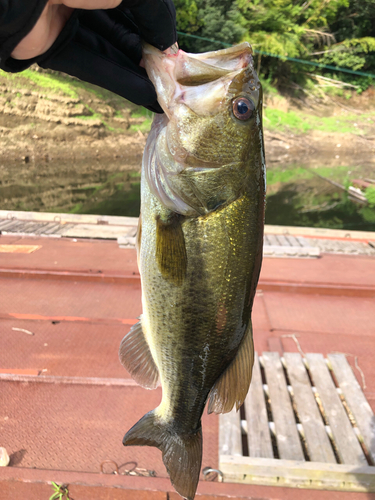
<point x="136" y="357"/>
<point x="170" y="248"/>
<point x="231" y="387"/>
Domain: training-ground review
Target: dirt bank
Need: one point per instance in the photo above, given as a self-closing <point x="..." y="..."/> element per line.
<point x="69" y="146"/>
<point x="39" y="121"/>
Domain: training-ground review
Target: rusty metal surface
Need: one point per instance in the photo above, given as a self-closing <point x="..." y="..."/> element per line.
<point x="100" y="255"/>
<point x="19" y="484"/>
<point x="59" y="298"/>
<point x="315" y="313"/>
<point x="78" y="348"/>
<point x="123" y="279"/>
<point x="76" y="428"/>
<point x="331" y="269"/>
<point x="68" y="254"/>
<point x="63" y="349"/>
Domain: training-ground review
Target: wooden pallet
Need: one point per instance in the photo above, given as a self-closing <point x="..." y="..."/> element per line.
<point x="305" y="423"/>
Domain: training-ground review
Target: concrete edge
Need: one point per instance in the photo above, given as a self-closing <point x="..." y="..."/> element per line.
<point x="316" y="232"/>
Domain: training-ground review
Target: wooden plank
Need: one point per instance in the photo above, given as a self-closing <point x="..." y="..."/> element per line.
<point x="258" y="431"/>
<point x="282" y="240"/>
<point x="317" y="441"/>
<point x="356" y="400"/>
<point x="230" y="439"/>
<point x="312" y="475"/>
<point x="287" y="437"/>
<point x="348" y="447"/>
<point x="273" y="240"/>
<point x="74" y="218"/>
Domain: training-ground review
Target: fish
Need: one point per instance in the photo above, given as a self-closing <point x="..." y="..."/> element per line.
<point x="199" y="249"/>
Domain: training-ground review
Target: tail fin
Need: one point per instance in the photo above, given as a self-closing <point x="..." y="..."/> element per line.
<point x="182" y="454"/>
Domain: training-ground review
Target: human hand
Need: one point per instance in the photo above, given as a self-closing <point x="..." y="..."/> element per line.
<point x="103" y="46"/>
<point x="51" y="22"/>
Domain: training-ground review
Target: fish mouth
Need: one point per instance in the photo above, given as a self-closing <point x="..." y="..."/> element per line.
<point x="180" y="77"/>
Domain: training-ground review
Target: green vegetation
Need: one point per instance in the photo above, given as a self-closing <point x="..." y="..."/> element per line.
<point x="370" y="195"/>
<point x="55" y="83"/>
<point x="286" y="175"/>
<point x="293" y="173"/>
<point x="143" y="127"/>
<point x="336" y="32"/>
<point x="59" y="492"/>
<point x="298" y="197"/>
<point x="302" y="122"/>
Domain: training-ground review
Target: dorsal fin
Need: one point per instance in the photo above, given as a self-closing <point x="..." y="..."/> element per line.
<point x="136" y="357"/>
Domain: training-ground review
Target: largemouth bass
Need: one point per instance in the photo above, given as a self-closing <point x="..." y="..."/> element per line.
<point x="199" y="249"/>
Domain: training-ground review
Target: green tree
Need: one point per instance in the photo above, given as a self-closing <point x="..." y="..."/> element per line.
<point x="214" y="19"/>
<point x="354" y="28"/>
<point x="333" y="32"/>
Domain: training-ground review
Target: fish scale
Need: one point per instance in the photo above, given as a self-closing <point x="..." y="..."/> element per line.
<point x="199" y="250"/>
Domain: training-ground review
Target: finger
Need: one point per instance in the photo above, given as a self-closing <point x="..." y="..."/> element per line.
<point x="88" y="4"/>
<point x="117" y="28"/>
<point x="93" y="59"/>
<point x="156" y="20"/>
<point x="44" y="33"/>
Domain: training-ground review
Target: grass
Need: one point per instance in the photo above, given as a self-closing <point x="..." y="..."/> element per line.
<point x="58" y="84"/>
<point x="140" y="112"/>
<point x="285" y="176"/>
<point x="142" y="127"/>
<point x="293" y="174"/>
<point x="52" y="82"/>
<point x="145" y="126"/>
<point x="291" y="121"/>
<point x="76" y="209"/>
<point x="370" y="195"/>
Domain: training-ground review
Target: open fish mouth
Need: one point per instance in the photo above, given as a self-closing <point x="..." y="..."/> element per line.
<point x="200" y="95"/>
<point x="183" y="78"/>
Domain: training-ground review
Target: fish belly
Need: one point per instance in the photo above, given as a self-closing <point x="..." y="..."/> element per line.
<point x="194" y="329"/>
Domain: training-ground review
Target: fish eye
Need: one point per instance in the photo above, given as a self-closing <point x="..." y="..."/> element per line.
<point x="243" y="108"/>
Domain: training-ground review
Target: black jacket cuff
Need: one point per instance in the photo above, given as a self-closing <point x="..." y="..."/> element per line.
<point x="17" y="18"/>
<point x="66" y="35"/>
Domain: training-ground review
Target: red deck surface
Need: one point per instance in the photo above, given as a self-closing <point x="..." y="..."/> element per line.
<point x="77" y="326"/>
<point x="77" y="427"/>
<point x="72" y="348"/>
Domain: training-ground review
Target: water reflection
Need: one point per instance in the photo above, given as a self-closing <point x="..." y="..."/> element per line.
<point x="311" y="196"/>
<point x="297" y="195"/>
<point x="287" y="208"/>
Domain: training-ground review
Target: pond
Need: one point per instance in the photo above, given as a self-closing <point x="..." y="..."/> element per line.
<point x="311" y="196"/>
<point x="298" y="194"/>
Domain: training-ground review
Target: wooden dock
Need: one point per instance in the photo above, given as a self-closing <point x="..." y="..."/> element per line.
<point x="305" y="423"/>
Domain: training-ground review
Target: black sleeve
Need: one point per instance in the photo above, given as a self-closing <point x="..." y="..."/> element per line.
<point x="104" y="47"/>
<point x="17" y="18"/>
<point x="155" y="21"/>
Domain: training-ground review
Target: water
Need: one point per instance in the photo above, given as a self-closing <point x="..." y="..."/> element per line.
<point x="297" y="194"/>
<point x="301" y="195"/>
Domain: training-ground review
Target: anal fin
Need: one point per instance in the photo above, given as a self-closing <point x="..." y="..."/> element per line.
<point x="232" y="386"/>
<point x="136" y="357"/>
